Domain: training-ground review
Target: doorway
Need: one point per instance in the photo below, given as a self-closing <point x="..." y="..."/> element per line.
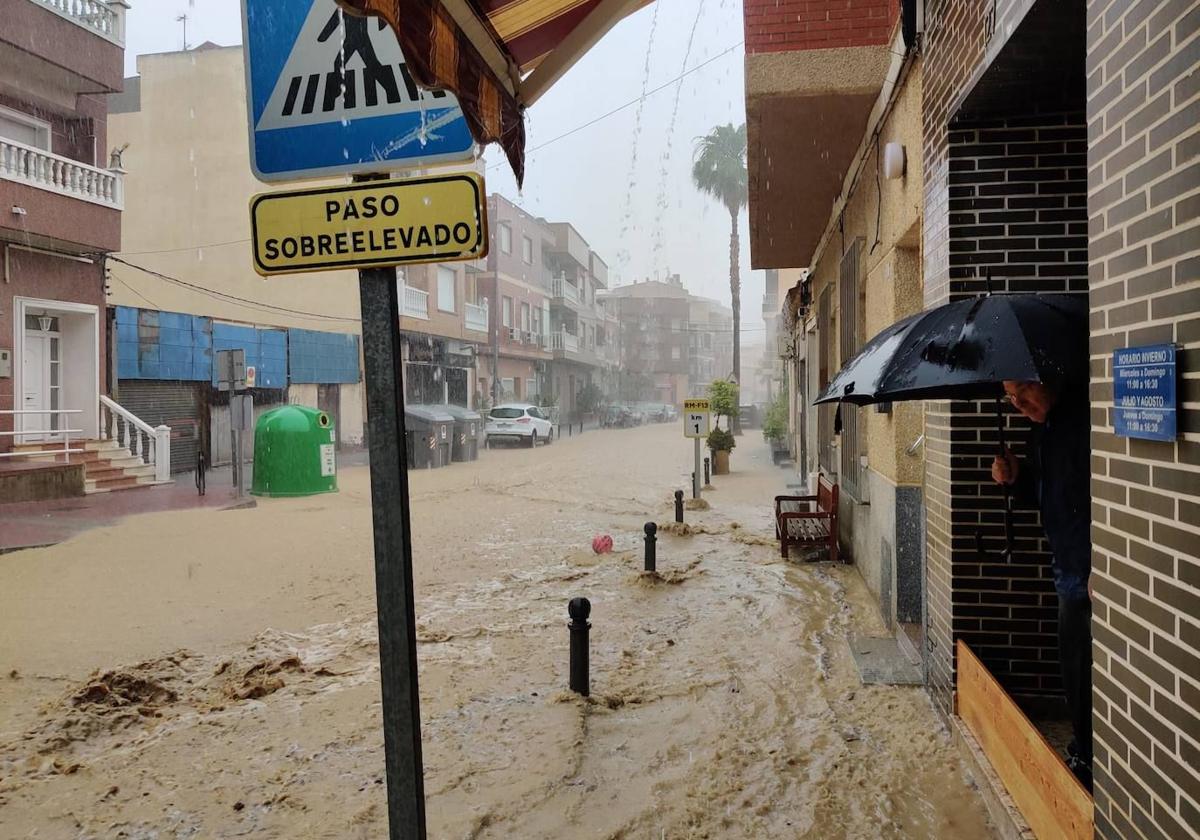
<point x="41" y="382"/>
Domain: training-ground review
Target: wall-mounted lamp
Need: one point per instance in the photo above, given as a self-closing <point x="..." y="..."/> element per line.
<point x="45" y="322"/>
<point x="893" y="161"/>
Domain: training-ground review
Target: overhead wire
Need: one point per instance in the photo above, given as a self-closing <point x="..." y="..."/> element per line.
<point x="225" y="296"/>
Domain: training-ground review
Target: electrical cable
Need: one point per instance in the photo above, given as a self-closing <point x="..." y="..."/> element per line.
<point x="254" y="304"/>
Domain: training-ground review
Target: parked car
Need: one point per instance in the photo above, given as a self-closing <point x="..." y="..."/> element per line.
<point x="520" y="422"/>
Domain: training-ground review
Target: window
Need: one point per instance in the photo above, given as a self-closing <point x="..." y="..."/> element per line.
<point x="446" y="283"/>
<point x="849" y="335"/>
<point x="674" y="352"/>
<point x="531" y="390"/>
<point x="506" y="391"/>
<point x="506" y="316"/>
<point x="505" y="239"/>
<point x="527" y="250"/>
<point x="525" y="317"/>
<point x="24" y="128"/>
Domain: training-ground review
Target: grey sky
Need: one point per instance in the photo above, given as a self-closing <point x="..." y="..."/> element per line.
<point x="586" y="178"/>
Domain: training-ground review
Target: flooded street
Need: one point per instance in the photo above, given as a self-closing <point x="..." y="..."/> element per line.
<point x="215" y="674"/>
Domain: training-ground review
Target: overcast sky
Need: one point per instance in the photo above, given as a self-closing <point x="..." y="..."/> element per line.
<point x="645" y="218"/>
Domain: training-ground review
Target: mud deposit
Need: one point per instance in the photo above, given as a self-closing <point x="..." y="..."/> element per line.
<point x="237" y="695"/>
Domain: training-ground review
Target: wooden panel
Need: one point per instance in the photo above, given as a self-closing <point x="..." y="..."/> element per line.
<point x="1053" y="802"/>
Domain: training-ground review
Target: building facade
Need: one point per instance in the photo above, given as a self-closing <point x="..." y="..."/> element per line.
<point x="672" y="344"/>
<point x="61" y="198"/>
<point x="184" y="255"/>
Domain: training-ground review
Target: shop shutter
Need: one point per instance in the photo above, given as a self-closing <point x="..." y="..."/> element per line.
<point x="179" y="405"/>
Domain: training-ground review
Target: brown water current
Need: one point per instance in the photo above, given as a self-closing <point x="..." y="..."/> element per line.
<point x="215" y="674"/>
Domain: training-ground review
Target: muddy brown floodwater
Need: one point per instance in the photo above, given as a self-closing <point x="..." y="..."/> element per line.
<point x="214" y="674"/>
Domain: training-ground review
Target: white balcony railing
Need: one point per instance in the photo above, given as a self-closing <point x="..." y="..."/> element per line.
<point x="476" y="316"/>
<point x="54" y="173"/>
<point x="563" y="289"/>
<point x="416" y="303"/>
<point x="104" y="18"/>
<point x="564" y="341"/>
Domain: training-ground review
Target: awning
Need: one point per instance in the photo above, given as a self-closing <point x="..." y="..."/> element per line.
<point x="497" y="56"/>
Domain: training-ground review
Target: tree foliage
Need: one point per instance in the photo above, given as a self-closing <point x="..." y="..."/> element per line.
<point x="723" y="398"/>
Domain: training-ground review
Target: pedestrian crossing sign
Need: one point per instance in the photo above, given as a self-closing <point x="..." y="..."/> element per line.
<point x="329" y="93"/>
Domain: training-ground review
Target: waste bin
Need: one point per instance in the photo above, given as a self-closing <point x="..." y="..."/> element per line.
<point x="294" y="452"/>
<point x="467" y="426"/>
<point x="429" y="435"/>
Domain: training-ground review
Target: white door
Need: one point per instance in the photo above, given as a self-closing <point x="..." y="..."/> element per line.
<point x="39" y="386"/>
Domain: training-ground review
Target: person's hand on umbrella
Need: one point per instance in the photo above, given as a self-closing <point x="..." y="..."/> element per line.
<point x="1005" y="468"/>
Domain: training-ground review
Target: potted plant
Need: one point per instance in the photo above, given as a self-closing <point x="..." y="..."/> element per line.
<point x="720" y="443"/>
<point x="775" y="428"/>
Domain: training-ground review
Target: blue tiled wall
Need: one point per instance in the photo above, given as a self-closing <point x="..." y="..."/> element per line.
<point x="322" y="356"/>
<point x="163" y="345"/>
<point x="171" y="345"/>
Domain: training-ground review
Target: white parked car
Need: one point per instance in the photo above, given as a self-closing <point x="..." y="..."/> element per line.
<point x="518" y="421"/>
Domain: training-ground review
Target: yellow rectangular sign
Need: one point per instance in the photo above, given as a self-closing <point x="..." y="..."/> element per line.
<point x="695" y="419"/>
<point x="695" y="405"/>
<point x="378" y="223"/>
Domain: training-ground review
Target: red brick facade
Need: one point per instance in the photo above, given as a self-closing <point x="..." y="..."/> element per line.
<point x="786" y="25"/>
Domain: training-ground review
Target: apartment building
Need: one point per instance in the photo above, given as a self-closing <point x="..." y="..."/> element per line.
<point x="184" y="285"/>
<point x="61" y="197"/>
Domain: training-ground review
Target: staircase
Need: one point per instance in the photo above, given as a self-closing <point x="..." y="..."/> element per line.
<point x="107" y="465"/>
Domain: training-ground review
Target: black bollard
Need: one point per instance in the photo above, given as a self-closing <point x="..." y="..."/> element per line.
<point x="678" y="505"/>
<point x="579" y="609"/>
<point x="651" y="545"/>
<point x="706" y="476"/>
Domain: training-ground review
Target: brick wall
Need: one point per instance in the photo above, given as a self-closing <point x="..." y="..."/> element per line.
<point x="955" y="42"/>
<point x="778" y="25"/>
<point x="1144" y="192"/>
<point x="1017" y="213"/>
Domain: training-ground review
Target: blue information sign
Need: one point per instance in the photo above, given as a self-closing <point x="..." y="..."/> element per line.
<point x="331" y="94"/>
<point x="1144" y="392"/>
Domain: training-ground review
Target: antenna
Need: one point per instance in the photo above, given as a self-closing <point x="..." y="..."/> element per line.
<point x="183" y="19"/>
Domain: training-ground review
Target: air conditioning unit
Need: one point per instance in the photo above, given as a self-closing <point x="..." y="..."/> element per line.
<point x="514" y="334"/>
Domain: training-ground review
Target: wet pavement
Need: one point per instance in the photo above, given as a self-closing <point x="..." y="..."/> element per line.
<point x="214" y="673"/>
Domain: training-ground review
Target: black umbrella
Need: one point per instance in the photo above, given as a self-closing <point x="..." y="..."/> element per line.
<point x="965" y="350"/>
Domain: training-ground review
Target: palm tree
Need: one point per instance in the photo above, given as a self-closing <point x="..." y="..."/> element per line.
<point x="719" y="169"/>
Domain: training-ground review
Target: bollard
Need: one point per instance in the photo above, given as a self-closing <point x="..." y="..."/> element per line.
<point x="678" y="505"/>
<point x="579" y="609"/>
<point x="706" y="475"/>
<point x="651" y="545"/>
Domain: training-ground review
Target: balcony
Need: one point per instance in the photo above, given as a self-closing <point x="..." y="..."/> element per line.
<point x="415" y="303"/>
<point x="106" y="19"/>
<point x="561" y="291"/>
<point x="476" y="316"/>
<point x="34" y="167"/>
<point x="564" y="342"/>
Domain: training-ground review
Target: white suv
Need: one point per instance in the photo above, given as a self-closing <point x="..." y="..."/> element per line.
<point x="518" y="421"/>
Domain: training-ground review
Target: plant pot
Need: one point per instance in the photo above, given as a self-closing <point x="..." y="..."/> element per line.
<point x="720" y="462"/>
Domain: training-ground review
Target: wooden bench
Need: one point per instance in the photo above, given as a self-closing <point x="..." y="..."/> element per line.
<point x="797" y="524"/>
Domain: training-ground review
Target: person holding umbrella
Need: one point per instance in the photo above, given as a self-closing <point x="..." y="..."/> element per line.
<point x="1030" y="349"/>
<point x="1054" y="477"/>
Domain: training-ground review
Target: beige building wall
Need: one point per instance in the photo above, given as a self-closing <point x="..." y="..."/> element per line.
<point x="884" y="217"/>
<point x="187" y="196"/>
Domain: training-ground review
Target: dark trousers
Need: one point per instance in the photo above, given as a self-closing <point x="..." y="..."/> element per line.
<point x="1075" y="662"/>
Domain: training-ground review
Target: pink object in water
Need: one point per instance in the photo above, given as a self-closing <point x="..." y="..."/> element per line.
<point x="602" y="544"/>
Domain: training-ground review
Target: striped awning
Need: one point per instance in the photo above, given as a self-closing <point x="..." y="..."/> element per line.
<point x="497" y="56"/>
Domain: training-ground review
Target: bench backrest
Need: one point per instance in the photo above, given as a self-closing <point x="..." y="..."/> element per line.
<point x="827" y="495"/>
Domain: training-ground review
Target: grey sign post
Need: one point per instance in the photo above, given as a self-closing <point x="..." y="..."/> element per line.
<point x="231" y="377"/>
<point x="384" y="378"/>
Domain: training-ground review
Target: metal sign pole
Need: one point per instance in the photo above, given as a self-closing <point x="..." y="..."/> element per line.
<point x="393" y="553"/>
<point x="696" y="473"/>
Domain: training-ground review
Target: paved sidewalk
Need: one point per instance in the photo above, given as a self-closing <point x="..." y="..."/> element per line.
<point x="33" y="524"/>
